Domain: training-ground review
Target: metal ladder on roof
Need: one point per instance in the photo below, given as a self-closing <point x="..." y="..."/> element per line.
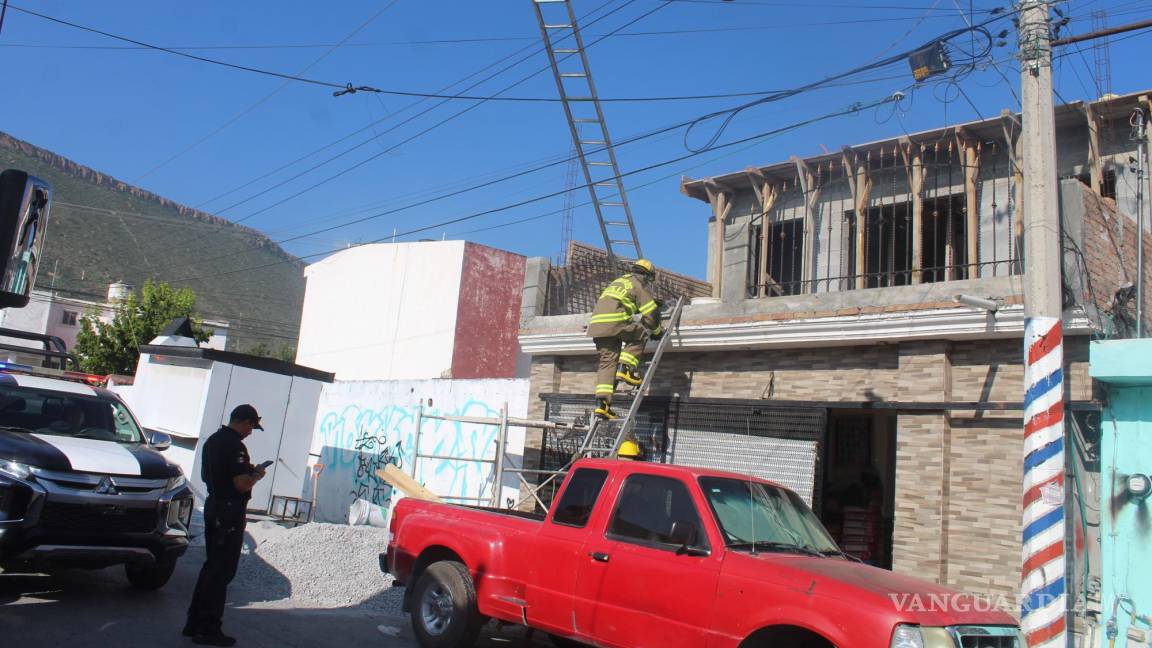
<point x="603" y="438"/>
<point x="589" y="130"/>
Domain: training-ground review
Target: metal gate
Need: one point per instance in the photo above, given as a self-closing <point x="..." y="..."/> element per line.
<point x="781" y="444"/>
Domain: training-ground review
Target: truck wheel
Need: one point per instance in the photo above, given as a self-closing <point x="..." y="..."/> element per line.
<point x="444" y="614"/>
<point x="150" y="576"/>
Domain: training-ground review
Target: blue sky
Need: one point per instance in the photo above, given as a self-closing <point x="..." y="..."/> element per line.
<point x="136" y="113"/>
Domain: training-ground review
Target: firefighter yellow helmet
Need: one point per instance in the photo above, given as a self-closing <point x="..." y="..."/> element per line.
<point x="643" y="266"/>
<point x="628" y="450"/>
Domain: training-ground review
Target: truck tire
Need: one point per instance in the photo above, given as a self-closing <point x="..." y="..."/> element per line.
<point x="444" y="612"/>
<point x="150" y="576"/>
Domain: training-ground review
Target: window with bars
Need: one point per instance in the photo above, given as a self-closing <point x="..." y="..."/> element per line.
<point x="784" y="258"/>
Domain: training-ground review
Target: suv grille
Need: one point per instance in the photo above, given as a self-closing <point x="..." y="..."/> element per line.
<point x="94" y="519"/>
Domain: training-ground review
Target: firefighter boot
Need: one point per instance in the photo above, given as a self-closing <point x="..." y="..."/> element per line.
<point x="629" y="374"/>
<point x="604" y="409"/>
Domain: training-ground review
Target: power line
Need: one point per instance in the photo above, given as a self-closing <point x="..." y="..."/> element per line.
<point x="349" y="88"/>
<point x="732" y="112"/>
<point x="265" y="98"/>
<point x="855" y="108"/>
<point x="412" y="137"/>
<point x="492" y="39"/>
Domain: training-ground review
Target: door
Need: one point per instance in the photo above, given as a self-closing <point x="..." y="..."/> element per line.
<point x="558" y="552"/>
<point x="653" y="575"/>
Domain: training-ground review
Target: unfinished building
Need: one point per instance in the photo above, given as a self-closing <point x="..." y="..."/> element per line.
<point x="833" y="357"/>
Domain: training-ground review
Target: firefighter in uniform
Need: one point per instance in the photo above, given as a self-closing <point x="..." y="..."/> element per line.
<point x="619" y="338"/>
<point x="228" y="473"/>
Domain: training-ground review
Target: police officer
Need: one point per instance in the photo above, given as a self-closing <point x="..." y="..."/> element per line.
<point x="229" y="476"/>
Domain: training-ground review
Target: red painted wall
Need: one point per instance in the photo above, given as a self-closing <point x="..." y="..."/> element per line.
<point x="488" y="315"/>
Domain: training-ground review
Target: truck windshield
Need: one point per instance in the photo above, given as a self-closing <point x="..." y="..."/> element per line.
<point x="757" y="516"/>
<point x="54" y="413"/>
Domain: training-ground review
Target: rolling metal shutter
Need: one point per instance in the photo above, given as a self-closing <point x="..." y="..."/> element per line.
<point x="780" y="444"/>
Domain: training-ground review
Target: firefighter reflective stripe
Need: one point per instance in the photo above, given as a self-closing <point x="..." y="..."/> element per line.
<point x="648" y="308"/>
<point x="620" y="290"/>
<point x="610" y="318"/>
<point x="602" y="390"/>
<point x="629" y="359"/>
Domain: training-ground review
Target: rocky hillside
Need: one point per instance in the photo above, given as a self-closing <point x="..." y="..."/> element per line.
<point x="103" y="230"/>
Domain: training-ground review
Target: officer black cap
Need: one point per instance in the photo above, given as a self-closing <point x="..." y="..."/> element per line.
<point x="248" y="413"/>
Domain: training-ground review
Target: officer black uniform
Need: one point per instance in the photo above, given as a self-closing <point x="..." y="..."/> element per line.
<point x="224" y="457"/>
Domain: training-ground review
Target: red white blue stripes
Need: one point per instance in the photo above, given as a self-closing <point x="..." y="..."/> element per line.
<point x="1042" y="590"/>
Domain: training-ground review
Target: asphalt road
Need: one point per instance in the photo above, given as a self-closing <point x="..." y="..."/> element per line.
<point x="79" y="609"/>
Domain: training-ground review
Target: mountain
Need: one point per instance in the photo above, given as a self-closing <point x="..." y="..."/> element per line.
<point x="102" y="230"/>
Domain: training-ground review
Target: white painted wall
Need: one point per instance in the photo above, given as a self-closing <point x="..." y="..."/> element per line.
<point x="191" y="398"/>
<point x="385" y="311"/>
<point x="361" y="426"/>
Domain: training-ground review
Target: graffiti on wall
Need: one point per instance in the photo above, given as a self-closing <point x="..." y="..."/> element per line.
<point x="360" y="438"/>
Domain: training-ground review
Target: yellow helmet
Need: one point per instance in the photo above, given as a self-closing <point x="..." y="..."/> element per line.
<point x="643" y="266"/>
<point x="628" y="450"/>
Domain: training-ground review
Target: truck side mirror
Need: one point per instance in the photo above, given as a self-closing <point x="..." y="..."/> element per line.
<point x="24" y="205"/>
<point x="684" y="533"/>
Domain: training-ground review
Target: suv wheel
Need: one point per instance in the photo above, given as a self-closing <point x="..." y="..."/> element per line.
<point x="150" y="576"/>
<point x="445" y="613"/>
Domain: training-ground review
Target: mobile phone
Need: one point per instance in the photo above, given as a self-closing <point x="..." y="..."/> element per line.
<point x="265" y="464"/>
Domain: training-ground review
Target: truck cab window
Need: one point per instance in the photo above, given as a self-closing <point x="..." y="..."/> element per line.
<point x="649" y="505"/>
<point x="579" y="497"/>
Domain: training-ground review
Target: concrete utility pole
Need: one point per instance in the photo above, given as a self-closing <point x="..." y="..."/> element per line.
<point x="1043" y="604"/>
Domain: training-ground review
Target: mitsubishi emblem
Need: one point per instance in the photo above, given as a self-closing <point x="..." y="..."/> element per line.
<point x="106" y="487"/>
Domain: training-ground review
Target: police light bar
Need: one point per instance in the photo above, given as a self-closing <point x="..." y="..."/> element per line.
<point x="93" y="380"/>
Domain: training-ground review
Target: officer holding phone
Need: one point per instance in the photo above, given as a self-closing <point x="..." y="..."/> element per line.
<point x="230" y="476"/>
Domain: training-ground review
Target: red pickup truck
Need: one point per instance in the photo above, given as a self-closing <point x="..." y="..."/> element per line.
<point x="638" y="555"/>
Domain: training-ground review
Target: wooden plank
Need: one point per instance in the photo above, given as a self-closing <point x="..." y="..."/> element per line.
<point x="410" y="487"/>
<point x="804" y="177"/>
<point x="863" y="193"/>
<point x="972" y="205"/>
<point x="1010" y="125"/>
<point x="913" y="155"/>
<point x="1095" y="170"/>
<point x="720" y="199"/>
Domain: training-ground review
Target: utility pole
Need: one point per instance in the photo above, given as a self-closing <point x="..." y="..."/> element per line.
<point x="1043" y="587"/>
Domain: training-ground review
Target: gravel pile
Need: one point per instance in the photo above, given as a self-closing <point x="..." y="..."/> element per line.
<point x="317" y="565"/>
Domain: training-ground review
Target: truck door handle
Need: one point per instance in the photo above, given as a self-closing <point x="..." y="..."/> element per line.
<point x="599" y="556"/>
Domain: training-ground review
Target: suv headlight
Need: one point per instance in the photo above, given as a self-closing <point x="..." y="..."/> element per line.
<point x="16" y="470"/>
<point x="180" y="512"/>
<point x="176" y="482"/>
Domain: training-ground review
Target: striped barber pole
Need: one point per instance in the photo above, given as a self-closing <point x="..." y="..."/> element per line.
<point x="1042" y="587"/>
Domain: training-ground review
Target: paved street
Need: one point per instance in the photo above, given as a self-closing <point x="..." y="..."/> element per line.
<point x="99" y="609"/>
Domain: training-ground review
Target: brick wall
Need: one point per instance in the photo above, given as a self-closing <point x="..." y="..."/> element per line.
<point x="1110" y="253"/>
<point x="918" y="533"/>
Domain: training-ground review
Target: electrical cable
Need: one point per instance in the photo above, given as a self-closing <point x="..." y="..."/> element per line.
<point x="853" y="109"/>
<point x="396" y="126"/>
<point x="730" y="114"/>
<point x="237" y="117"/>
<point x="349" y="88"/>
<point x="412" y="137"/>
<point x="688" y="123"/>
<point x="497" y="39"/>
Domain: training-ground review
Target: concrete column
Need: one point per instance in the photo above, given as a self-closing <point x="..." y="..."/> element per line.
<point x="535" y="300"/>
<point x="734" y="273"/>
